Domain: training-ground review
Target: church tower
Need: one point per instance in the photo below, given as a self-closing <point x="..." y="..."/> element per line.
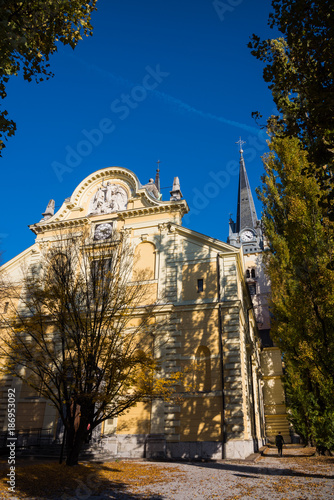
<point x="246" y="232"/>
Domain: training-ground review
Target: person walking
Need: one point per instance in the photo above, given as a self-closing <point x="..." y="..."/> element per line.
<point x="279" y="440"/>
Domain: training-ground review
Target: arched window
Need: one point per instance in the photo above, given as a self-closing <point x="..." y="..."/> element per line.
<point x="144" y="262"/>
<point x="247" y="274"/>
<point x="253" y="273"/>
<point x="203" y="369"/>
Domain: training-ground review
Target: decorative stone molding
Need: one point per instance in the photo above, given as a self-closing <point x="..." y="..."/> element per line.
<point x="108" y="198"/>
<point x="163" y="228"/>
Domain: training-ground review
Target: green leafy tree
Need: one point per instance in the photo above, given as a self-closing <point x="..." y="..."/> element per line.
<point x="299" y="70"/>
<point x="300" y="267"/>
<point x="30" y="31"/>
<point x="78" y="331"/>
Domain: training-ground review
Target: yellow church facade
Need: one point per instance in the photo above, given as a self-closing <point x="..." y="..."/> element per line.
<point x="208" y="317"/>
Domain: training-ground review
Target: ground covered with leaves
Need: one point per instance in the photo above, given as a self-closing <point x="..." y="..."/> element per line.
<point x="51" y="480"/>
<point x="298" y="475"/>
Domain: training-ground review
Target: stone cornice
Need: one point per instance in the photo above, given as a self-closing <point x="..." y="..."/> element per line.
<point x="58" y="224"/>
<point x="163" y="207"/>
<point x="214" y="243"/>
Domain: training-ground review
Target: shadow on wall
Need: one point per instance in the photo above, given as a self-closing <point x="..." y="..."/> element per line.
<point x="198" y="353"/>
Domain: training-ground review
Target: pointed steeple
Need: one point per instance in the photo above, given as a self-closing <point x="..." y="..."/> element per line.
<point x="246" y="232"/>
<point x="246" y="213"/>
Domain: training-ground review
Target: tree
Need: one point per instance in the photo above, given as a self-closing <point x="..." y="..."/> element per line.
<point x="300" y="267"/>
<point x="80" y="334"/>
<point x="29" y="33"/>
<point x="299" y="69"/>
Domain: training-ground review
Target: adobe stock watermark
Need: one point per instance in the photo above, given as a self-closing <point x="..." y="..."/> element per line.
<point x="84" y="490"/>
<point x="11" y="439"/>
<point x="221" y="179"/>
<point x="121" y="108"/>
<point x="222" y="7"/>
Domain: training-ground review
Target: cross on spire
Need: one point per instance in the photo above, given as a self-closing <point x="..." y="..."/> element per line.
<point x="240" y="142"/>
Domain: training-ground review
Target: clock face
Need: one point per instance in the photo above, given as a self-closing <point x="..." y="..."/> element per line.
<point x="102" y="231"/>
<point x="247" y="236"/>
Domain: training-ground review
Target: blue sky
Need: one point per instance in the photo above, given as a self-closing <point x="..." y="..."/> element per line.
<point x="170" y="81"/>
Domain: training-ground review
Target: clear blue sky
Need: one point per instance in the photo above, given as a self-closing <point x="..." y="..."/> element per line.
<point x="170" y="81"/>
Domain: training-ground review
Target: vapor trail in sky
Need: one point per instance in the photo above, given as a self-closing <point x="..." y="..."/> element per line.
<point x="180" y="105"/>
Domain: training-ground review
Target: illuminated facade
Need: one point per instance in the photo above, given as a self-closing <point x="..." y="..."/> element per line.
<point x="210" y="324"/>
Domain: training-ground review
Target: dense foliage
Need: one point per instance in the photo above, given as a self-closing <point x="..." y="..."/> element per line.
<point x="298" y="199"/>
<point x="300" y="72"/>
<point x="299" y="264"/>
<point x="29" y="33"/>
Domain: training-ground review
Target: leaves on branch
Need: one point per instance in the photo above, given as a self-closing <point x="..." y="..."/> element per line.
<point x="299" y="262"/>
<point x="30" y="32"/>
<point x="299" y="71"/>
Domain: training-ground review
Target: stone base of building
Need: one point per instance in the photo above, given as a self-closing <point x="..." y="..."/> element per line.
<point x="124" y="445"/>
<point x="193" y="450"/>
<point x="155" y="446"/>
<point x="241" y="448"/>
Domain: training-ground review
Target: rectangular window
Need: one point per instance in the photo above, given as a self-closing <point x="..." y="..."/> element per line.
<point x="200" y="285"/>
<point x="100" y="268"/>
<point x="252" y="288"/>
<point x="5" y="309"/>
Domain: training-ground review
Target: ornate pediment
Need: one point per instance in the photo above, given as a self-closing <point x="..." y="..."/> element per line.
<point x="110" y="190"/>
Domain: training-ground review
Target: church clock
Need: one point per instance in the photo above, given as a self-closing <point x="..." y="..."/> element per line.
<point x="247" y="236"/>
<point x="102" y="231"/>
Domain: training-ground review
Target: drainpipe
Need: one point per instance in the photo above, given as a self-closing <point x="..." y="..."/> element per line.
<point x="255" y="441"/>
<point x="220" y="329"/>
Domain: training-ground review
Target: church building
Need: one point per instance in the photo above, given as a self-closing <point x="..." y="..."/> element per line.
<point x="246" y="233"/>
<point x="215" y="305"/>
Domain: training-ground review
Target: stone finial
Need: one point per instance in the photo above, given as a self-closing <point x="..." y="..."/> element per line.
<point x="157" y="177"/>
<point x="50" y="210"/>
<point x="175" y="193"/>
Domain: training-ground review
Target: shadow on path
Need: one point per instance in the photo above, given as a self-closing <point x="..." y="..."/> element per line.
<point x="267" y="471"/>
<point x="49" y="480"/>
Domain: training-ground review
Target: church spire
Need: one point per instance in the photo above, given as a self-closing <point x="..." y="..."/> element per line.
<point x="246" y="213"/>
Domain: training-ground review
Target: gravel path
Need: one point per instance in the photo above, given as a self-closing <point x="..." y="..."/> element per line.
<point x="294" y="476"/>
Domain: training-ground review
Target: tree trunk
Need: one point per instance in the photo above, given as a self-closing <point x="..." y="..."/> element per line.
<point x="77" y="432"/>
<point x="75" y="441"/>
<point x="322" y="450"/>
<point x="73" y="450"/>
